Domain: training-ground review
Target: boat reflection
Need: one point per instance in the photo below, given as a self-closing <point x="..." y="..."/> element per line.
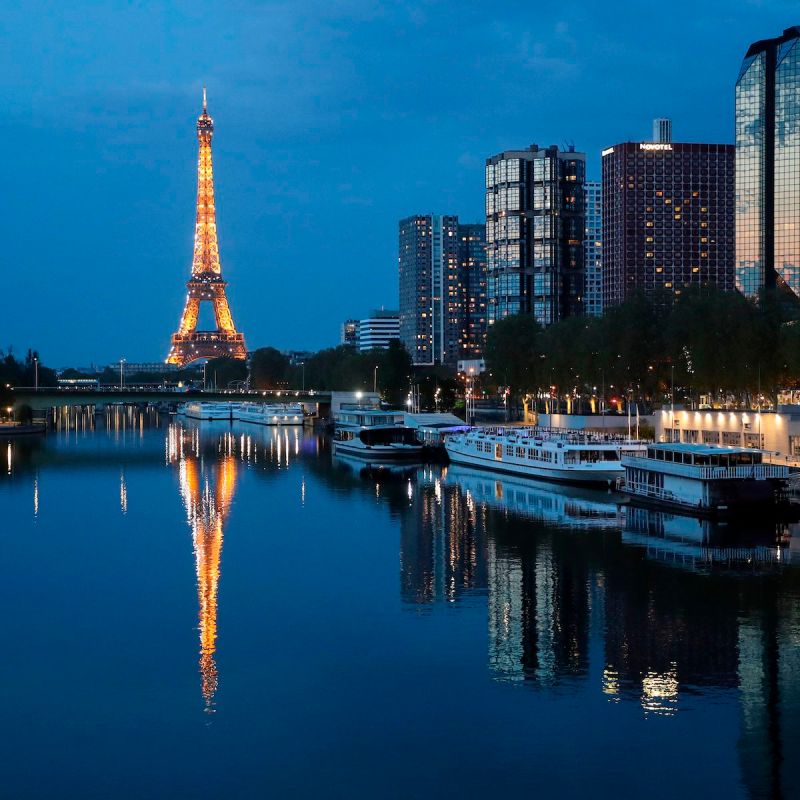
<point x="549" y="502"/>
<point x="609" y="612"/>
<point x="703" y="545"/>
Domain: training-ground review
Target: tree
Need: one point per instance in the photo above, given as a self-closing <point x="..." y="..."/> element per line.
<point x="268" y="368"/>
<point x="513" y="352"/>
<point x="220" y="372"/>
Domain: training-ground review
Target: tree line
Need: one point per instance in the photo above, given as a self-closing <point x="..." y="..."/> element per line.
<point x="711" y="343"/>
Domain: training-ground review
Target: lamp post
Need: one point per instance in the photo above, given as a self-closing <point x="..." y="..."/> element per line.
<point x="36" y="373"/>
<point x="121" y="373"/>
<point x="672" y="404"/>
<point x="375" y="380"/>
<point x="303" y="365"/>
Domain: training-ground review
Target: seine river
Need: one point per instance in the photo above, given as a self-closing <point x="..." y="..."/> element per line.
<point x="198" y="610"/>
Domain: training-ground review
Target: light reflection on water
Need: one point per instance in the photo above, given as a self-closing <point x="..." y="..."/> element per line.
<point x="579" y="598"/>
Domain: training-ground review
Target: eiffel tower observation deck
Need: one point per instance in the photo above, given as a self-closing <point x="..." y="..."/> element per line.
<point x="206" y="284"/>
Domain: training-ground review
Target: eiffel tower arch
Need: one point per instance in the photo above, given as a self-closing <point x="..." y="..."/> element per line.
<point x="206" y="284"/>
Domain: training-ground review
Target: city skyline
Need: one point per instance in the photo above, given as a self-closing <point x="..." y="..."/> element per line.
<point x="103" y="168"/>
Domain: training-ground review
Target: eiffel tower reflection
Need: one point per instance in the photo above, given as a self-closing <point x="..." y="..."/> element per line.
<point x="207" y="484"/>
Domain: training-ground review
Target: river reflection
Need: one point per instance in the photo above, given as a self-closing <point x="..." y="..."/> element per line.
<point x="596" y="608"/>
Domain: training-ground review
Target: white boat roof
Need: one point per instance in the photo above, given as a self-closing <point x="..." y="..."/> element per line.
<point x="701" y="449"/>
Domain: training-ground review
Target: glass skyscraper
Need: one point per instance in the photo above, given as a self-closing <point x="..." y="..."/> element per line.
<point x="768" y="166"/>
<point x="535" y="233"/>
<point x="442" y="276"/>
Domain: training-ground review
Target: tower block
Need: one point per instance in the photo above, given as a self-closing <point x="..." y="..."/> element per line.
<point x="206" y="284"/>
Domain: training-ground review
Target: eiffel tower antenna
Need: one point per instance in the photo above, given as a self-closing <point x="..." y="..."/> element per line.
<point x="206" y="283"/>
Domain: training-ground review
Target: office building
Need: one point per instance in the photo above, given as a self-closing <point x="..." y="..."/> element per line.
<point x="768" y="166"/>
<point x="377" y="330"/>
<point x="668" y="219"/>
<point x="534" y="233"/>
<point x="442" y="277"/>
<point x="593" y="249"/>
<point x="349" y="332"/>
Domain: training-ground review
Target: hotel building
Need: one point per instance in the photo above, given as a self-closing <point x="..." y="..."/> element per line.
<point x="668" y="218"/>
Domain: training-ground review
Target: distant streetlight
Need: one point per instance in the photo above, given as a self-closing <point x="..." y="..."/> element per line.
<point x="303" y="365"/>
<point x="121" y="372"/>
<point x="375" y="380"/>
<point x="36" y="373"/>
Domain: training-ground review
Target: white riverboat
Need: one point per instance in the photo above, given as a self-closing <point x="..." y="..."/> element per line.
<point x="208" y="410"/>
<point x="703" y="478"/>
<point x="270" y="413"/>
<point x="544" y="453"/>
<point x="374" y="434"/>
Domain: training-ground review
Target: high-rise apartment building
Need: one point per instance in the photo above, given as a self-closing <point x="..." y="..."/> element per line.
<point x="472" y="284"/>
<point x="593" y="249"/>
<point x="668" y="218"/>
<point x="442" y="288"/>
<point x="350" y="332"/>
<point x="535" y="232"/>
<point x="768" y="166"/>
<point x="377" y="330"/>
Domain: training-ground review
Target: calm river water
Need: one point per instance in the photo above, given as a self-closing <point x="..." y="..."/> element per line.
<point x="198" y="610"/>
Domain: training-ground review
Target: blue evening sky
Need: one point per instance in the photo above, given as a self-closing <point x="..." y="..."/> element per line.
<point x="333" y="121"/>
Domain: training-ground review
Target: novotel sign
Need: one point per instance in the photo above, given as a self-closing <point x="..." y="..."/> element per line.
<point x="654" y="146"/>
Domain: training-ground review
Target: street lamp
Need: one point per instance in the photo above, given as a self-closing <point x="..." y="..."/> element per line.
<point x="36" y="373"/>
<point x="121" y="373"/>
<point x="375" y="380"/>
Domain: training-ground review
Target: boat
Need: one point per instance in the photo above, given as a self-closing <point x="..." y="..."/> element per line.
<point x="22" y="429"/>
<point x="552" y="454"/>
<point x="703" y="478"/>
<point x="374" y="434"/>
<point x="208" y="410"/>
<point x="270" y="413"/>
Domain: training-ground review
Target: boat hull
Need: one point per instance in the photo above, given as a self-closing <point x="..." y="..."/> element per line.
<point x="389" y="453"/>
<point x="575" y="475"/>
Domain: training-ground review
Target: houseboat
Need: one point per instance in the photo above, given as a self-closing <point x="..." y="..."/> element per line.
<point x="270" y="413"/>
<point x="544" y="453"/>
<point x="208" y="411"/>
<point x="702" y="478"/>
<point x="374" y="434"/>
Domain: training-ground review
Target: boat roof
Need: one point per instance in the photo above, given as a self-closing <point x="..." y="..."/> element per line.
<point x="701" y="449"/>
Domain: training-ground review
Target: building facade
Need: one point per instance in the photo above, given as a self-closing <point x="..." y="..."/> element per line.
<point x="593" y="249"/>
<point x="534" y="233"/>
<point x="472" y="286"/>
<point x="768" y="166"/>
<point x="668" y="219"/>
<point x="442" y="277"/>
<point x="349" y="334"/>
<point x="377" y="330"/>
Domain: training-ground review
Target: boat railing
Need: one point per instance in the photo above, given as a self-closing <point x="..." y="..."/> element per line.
<point x="565" y="435"/>
<point x="706" y="473"/>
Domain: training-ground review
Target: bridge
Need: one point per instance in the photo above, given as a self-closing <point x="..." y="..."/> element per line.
<point x="43" y="398"/>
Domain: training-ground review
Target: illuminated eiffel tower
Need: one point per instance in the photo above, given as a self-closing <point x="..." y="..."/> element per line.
<point x="206" y="284"/>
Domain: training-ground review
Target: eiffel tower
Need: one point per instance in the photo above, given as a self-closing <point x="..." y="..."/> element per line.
<point x="206" y="284"/>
